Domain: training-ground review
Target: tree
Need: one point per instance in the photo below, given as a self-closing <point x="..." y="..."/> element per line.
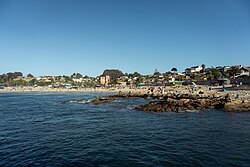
<point x="114" y="74"/>
<point x="3" y="78"/>
<point x="127" y="82"/>
<point x="19" y="83"/>
<point x="157" y="73"/>
<point x="216" y="74"/>
<point x="30" y="76"/>
<point x="67" y="78"/>
<point x="76" y="75"/>
<point x="14" y="75"/>
<point x="32" y="82"/>
<point x="167" y="74"/>
<point x="225" y="74"/>
<point x="203" y="66"/>
<point x="136" y="74"/>
<point x="6" y="79"/>
<point x="139" y="80"/>
<point x="174" y="70"/>
<point x="234" y="71"/>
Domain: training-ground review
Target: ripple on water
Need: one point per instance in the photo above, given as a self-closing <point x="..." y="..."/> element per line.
<point x="39" y="129"/>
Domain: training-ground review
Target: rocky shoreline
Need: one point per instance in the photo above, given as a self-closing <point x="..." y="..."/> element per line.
<point x="187" y="102"/>
<point x="179" y="102"/>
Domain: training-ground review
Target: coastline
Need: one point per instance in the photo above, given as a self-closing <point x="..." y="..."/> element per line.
<point x="204" y="97"/>
<point x="89" y="90"/>
<point x="240" y="93"/>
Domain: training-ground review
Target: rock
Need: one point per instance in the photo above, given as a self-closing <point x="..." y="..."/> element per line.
<point x="100" y="101"/>
<point x="237" y="106"/>
<point x="177" y="102"/>
<point x="184" y="102"/>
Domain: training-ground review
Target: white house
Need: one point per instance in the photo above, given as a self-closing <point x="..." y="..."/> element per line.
<point x="245" y="71"/>
<point x="78" y="80"/>
<point x="193" y="69"/>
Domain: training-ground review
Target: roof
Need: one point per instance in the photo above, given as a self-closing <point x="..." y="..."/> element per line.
<point x="190" y="68"/>
<point x="223" y="79"/>
<point x="195" y="67"/>
<point x="246" y="69"/>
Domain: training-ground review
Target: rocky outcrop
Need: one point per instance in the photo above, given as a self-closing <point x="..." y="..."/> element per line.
<point x="237" y="106"/>
<point x="178" y="102"/>
<point x="111" y="98"/>
<point x="184" y="102"/>
<point x="177" y="105"/>
<point x="100" y="100"/>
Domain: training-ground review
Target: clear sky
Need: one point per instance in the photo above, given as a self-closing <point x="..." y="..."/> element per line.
<point x="56" y="37"/>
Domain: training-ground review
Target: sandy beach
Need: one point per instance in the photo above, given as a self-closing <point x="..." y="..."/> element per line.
<point x="93" y="90"/>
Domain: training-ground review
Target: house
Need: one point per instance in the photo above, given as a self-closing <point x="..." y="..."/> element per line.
<point x="245" y="71"/>
<point x="194" y="69"/>
<point x="78" y="80"/>
<point x="223" y="69"/>
<point x="122" y="83"/>
<point x="161" y="76"/>
<point x="104" y="80"/>
<point x="226" y="68"/>
<point x="172" y="78"/>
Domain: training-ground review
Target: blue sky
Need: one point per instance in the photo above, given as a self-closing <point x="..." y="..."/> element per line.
<point x="57" y="37"/>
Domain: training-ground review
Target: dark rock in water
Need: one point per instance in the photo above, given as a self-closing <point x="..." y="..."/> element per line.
<point x="177" y="102"/>
<point x="100" y="100"/>
<point x="108" y="99"/>
<point x="184" y="102"/>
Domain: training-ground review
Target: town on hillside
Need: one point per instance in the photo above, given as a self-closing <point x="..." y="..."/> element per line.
<point x="199" y="75"/>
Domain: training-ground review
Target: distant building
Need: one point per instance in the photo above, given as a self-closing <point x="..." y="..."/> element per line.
<point x="122" y="83"/>
<point x="245" y="71"/>
<point x="104" y="80"/>
<point x="78" y="80"/>
<point x="226" y="68"/>
<point x="172" y="78"/>
<point x="161" y="76"/>
<point x="193" y="69"/>
<point x="223" y="69"/>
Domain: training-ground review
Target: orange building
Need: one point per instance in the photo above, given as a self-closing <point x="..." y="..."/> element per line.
<point x="104" y="80"/>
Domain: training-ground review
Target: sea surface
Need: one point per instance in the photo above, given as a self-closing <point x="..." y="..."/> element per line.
<point x="44" y="129"/>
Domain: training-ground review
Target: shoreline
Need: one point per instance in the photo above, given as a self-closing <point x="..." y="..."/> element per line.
<point x="170" y="98"/>
<point x="83" y="90"/>
<point x="242" y="93"/>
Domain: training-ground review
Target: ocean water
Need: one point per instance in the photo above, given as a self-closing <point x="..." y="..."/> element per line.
<point x="43" y="129"/>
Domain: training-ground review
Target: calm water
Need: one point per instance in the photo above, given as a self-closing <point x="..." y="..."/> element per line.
<point x="40" y="129"/>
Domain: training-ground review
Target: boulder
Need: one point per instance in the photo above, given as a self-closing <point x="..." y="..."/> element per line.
<point x="237" y="106"/>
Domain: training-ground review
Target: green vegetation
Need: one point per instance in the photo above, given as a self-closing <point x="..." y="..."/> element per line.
<point x="139" y="80"/>
<point x="117" y="76"/>
<point x="174" y="70"/>
<point x="30" y="76"/>
<point x="135" y="74"/>
<point x="114" y="74"/>
<point x="76" y="75"/>
<point x="6" y="79"/>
